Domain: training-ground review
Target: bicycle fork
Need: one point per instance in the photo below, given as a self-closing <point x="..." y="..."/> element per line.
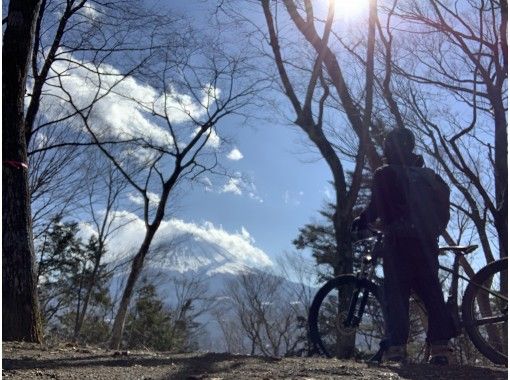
<point x="354" y="316"/>
<point x="354" y="320"/>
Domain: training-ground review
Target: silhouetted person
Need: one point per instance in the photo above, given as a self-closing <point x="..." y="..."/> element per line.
<point x="411" y="203"/>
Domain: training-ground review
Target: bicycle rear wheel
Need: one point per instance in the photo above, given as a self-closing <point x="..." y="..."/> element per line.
<point x="485" y="311"/>
<point x="334" y="331"/>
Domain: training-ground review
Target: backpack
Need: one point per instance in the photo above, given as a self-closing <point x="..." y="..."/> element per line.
<point x="427" y="202"/>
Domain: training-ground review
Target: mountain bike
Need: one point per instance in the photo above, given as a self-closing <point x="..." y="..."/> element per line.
<point x="348" y="308"/>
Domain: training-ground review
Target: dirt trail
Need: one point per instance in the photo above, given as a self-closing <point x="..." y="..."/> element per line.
<point x="31" y="361"/>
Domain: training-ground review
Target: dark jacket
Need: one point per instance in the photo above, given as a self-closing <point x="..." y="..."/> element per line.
<point x="388" y="198"/>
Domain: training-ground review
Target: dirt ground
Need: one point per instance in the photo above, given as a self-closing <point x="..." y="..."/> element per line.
<point x="31" y="361"/>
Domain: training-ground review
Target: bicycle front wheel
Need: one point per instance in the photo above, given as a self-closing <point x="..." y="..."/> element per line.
<point x="346" y="318"/>
<point x="485" y="311"/>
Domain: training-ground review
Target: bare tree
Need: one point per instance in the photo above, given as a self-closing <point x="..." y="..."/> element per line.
<point x="20" y="316"/>
<point x="232" y="331"/>
<point x="191" y="301"/>
<point x="310" y="112"/>
<point x="415" y="91"/>
<point x="56" y="176"/>
<point x="70" y="30"/>
<point x="462" y="59"/>
<point x="67" y="34"/>
<point x="110" y="183"/>
<point x="261" y="308"/>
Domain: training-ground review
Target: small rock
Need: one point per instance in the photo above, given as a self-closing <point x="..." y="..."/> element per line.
<point x="121" y="353"/>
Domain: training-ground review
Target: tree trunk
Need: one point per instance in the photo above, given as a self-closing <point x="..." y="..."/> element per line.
<point x="138" y="260"/>
<point x="501" y="176"/>
<point x="21" y="319"/>
<point x="136" y="269"/>
<point x="86" y="300"/>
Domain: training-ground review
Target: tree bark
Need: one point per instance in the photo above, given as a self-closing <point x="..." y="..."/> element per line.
<point x="136" y="269"/>
<point x="501" y="175"/>
<point x="21" y="319"/>
<point x="81" y="311"/>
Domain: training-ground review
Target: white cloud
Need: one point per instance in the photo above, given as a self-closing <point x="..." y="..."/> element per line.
<point x="255" y="197"/>
<point x="41" y="140"/>
<point x="222" y="247"/>
<point x="210" y="95"/>
<point x="213" y="140"/>
<point x="86" y="231"/>
<point x="291" y="198"/>
<point x="235" y="155"/>
<point x="138" y="199"/>
<point x="286" y="197"/>
<point x="90" y="11"/>
<point x="122" y="113"/>
<point x="328" y="193"/>
<point x="246" y="235"/>
<point x="239" y="186"/>
<point x="233" y="186"/>
<point x="208" y="186"/>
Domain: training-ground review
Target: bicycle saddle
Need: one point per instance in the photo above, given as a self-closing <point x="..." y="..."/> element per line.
<point x="458" y="249"/>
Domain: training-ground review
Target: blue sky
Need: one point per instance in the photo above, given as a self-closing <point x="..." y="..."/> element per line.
<point x="290" y="190"/>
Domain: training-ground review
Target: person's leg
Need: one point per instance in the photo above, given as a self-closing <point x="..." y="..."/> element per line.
<point x="396" y="299"/>
<point x="427" y="286"/>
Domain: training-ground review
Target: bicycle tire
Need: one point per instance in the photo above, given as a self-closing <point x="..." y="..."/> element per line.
<point x="495" y="352"/>
<point x="314" y="315"/>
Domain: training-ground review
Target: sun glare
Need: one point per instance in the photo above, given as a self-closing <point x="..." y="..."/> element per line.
<point x="350" y="8"/>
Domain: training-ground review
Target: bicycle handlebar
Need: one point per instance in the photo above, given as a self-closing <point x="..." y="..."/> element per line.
<point x="359" y="235"/>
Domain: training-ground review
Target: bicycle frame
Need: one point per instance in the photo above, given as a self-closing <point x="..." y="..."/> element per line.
<point x="452" y="300"/>
<point x="366" y="272"/>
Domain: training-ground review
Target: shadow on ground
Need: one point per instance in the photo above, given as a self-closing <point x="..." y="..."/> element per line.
<point x="64" y="364"/>
<point x="427" y="371"/>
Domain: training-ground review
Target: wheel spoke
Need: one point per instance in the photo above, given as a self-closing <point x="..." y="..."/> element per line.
<point x="490" y="320"/>
<point x="333" y="312"/>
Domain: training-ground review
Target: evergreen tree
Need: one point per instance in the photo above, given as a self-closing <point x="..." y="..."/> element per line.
<point x="319" y="237"/>
<point x="66" y="272"/>
<point x="59" y="255"/>
<point x="93" y="296"/>
<point x="149" y="324"/>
